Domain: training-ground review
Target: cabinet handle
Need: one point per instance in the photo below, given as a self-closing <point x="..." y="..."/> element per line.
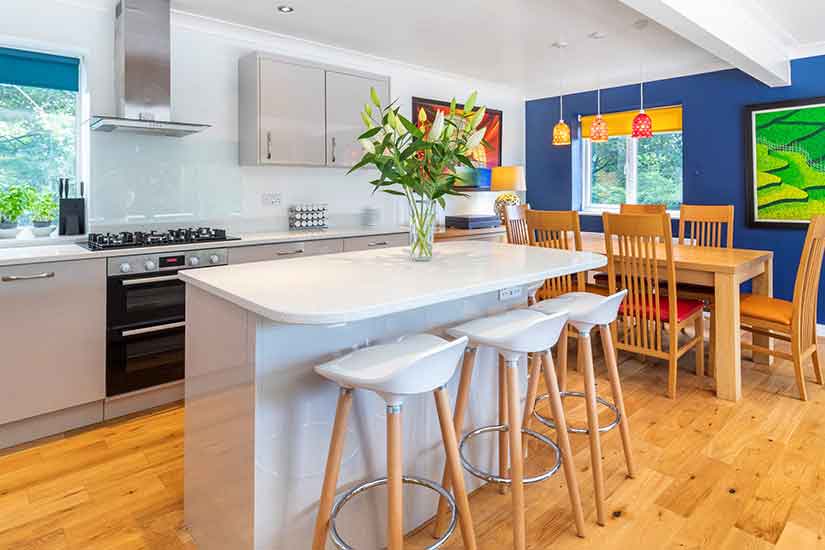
<point x="291" y="252"/>
<point x="269" y="146"/>
<point x="151" y="330"/>
<point x="333" y="150"/>
<point x="14" y="278"/>
<point x="379" y="243"/>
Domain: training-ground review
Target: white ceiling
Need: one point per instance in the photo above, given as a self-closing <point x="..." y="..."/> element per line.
<point x="506" y="42"/>
<point x="803" y="22"/>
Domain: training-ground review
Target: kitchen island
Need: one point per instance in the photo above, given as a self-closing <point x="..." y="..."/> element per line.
<point x="258" y="419"/>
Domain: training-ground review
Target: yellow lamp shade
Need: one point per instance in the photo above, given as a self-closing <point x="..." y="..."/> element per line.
<point x="508" y="178"/>
<point x="561" y="133"/>
<point x="598" y="130"/>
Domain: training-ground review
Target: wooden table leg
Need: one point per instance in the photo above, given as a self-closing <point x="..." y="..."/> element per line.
<point x="763" y="284"/>
<point x="727" y="341"/>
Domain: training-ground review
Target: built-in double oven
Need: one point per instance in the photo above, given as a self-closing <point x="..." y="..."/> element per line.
<point x="146" y="322"/>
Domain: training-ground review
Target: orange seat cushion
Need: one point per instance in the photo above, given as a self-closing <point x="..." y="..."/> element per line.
<point x="684" y="308"/>
<point x="766" y="308"/>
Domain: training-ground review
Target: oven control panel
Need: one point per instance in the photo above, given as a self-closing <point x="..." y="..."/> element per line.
<point x="165" y="261"/>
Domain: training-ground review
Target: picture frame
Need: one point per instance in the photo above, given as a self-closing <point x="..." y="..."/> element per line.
<point x="493" y="120"/>
<point x="785" y="162"/>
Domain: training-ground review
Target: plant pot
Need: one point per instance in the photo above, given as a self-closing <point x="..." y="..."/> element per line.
<point x="43" y="229"/>
<point x="8" y="230"/>
<point x="422" y="229"/>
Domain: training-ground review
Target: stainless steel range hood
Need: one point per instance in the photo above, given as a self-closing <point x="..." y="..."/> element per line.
<point x="143" y="72"/>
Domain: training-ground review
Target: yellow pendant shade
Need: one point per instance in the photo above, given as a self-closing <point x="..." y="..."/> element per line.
<point x="561" y="133"/>
<point x="664" y="119"/>
<point x="599" y="129"/>
<point x="508" y="178"/>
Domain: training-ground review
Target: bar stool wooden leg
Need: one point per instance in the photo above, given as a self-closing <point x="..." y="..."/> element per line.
<point x="462" y="400"/>
<point x="333" y="468"/>
<point x="618" y="397"/>
<point x="395" y="489"/>
<point x="585" y="350"/>
<point x="561" y="351"/>
<point x="532" y="393"/>
<point x="454" y="469"/>
<point x="516" y="458"/>
<point x="502" y="419"/>
<point x="567" y="462"/>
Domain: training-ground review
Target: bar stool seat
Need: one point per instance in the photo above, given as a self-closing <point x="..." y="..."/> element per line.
<point x="514" y="332"/>
<point x="413" y="365"/>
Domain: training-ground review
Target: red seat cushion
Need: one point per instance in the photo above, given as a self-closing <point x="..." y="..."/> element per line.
<point x="684" y="308"/>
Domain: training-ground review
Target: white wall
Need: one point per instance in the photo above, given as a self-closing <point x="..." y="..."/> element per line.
<point x="141" y="180"/>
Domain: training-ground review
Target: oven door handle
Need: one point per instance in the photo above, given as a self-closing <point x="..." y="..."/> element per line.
<point x="148" y="280"/>
<point x="151" y="330"/>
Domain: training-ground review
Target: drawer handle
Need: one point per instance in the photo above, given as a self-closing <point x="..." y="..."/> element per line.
<point x="151" y="330"/>
<point x="269" y="146"/>
<point x="379" y="243"/>
<point x="291" y="253"/>
<point x="149" y="280"/>
<point x="14" y="278"/>
<point x="333" y="150"/>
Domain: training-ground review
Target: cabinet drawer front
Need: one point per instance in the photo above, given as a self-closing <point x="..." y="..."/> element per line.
<point x="377" y="241"/>
<point x="53" y="336"/>
<point x="266" y="252"/>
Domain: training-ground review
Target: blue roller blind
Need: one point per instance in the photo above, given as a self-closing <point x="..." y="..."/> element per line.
<point x="38" y="69"/>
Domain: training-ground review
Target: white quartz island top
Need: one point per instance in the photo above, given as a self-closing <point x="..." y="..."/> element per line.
<point x="353" y="286"/>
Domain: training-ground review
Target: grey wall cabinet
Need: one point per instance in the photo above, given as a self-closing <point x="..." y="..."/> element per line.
<point x="293" y="112"/>
<point x="53" y="327"/>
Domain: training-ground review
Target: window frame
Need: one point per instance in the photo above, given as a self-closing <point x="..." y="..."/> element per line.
<point x="631" y="176"/>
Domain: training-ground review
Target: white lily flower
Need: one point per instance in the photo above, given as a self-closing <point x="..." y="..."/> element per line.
<point x="367" y="145"/>
<point x="475" y="139"/>
<point x="437" y="127"/>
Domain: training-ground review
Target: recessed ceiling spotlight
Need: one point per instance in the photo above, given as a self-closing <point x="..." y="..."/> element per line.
<point x="286" y="9"/>
<point x="597" y="35"/>
<point x="559" y="44"/>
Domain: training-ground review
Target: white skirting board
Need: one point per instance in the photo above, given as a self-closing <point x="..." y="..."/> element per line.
<point x="45" y="425"/>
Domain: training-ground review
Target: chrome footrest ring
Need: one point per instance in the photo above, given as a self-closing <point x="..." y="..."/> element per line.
<point x="491" y="478"/>
<point x="339" y="542"/>
<point x="550" y="423"/>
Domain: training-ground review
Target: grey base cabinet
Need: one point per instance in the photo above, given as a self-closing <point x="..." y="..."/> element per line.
<point x="52" y="337"/>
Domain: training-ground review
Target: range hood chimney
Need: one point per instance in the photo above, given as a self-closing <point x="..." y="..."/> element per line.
<point x="143" y="72"/>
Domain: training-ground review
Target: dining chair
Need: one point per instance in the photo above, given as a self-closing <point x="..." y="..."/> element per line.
<point x="707" y="226"/>
<point x="515" y="222"/>
<point x="556" y="229"/>
<point x="625" y="208"/>
<point x="637" y="245"/>
<point x="793" y="322"/>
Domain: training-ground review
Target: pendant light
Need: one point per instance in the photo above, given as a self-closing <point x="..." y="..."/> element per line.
<point x="561" y="131"/>
<point x="642" y="123"/>
<point x="598" y="130"/>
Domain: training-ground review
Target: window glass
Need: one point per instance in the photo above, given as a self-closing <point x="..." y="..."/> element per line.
<point x="607" y="168"/>
<point x="659" y="171"/>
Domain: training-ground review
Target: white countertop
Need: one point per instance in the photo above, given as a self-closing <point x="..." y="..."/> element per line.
<point x="353" y="286"/>
<point x="23" y="255"/>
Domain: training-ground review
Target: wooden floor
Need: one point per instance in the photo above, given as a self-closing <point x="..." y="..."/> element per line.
<point x="711" y="475"/>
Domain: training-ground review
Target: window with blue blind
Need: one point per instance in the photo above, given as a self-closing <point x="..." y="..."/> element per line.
<point x="38" y="138"/>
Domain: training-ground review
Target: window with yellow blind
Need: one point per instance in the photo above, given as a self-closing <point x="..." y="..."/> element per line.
<point x="628" y="170"/>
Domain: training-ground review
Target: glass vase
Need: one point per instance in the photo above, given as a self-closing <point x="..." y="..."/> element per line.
<point x="422" y="230"/>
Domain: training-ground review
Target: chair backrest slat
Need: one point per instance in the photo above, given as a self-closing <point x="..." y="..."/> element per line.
<point x="706" y="225"/>
<point x="635" y="245"/>
<point x="625" y="208"/>
<point x="806" y="288"/>
<point x="556" y="229"/>
<point x="515" y="222"/>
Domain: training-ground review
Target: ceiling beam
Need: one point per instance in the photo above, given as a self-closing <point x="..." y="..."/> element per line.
<point x="732" y="30"/>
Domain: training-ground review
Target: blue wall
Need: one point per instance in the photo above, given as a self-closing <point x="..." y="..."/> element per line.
<point x="714" y="150"/>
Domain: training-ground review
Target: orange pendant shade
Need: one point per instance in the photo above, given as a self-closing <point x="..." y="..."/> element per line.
<point x="598" y="130"/>
<point x="561" y="133"/>
<point x="642" y="126"/>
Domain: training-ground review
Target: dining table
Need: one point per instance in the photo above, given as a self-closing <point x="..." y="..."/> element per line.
<point x="725" y="270"/>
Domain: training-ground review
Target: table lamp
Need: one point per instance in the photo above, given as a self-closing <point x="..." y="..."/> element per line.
<point x="508" y="179"/>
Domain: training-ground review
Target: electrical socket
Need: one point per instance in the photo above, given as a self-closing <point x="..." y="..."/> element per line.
<point x="271" y="199"/>
<point x="510" y="293"/>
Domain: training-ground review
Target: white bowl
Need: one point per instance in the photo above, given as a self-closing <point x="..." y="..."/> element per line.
<point x="43" y="231"/>
<point x="9" y="233"/>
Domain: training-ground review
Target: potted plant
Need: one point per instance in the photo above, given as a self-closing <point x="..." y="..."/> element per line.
<point x="14" y="201"/>
<point x="419" y="164"/>
<point x="44" y="212"/>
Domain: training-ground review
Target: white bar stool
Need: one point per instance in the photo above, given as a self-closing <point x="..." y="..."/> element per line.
<point x="587" y="311"/>
<point x="513" y="334"/>
<point x="414" y="365"/>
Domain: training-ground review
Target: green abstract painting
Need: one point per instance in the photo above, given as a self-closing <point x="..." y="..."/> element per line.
<point x="786" y="176"/>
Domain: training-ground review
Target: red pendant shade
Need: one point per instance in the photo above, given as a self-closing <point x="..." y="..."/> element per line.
<point x="598" y="130"/>
<point x="642" y="126"/>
